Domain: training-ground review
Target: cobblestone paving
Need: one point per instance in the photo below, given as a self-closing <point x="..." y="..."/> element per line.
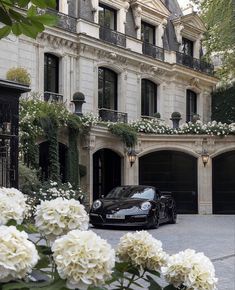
<point x="212" y="234"/>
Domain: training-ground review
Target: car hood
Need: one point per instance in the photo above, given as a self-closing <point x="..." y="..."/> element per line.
<point x="121" y="205"/>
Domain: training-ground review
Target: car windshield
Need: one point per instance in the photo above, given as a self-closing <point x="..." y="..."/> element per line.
<point x="131" y="192"/>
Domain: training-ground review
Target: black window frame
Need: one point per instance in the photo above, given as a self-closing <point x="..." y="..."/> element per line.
<point x="144" y="84"/>
<point x="191" y="105"/>
<point x="114" y="11"/>
<point x="48" y="80"/>
<point x="57" y="7"/>
<point x="190" y="43"/>
<point x="143" y="25"/>
<point x="115" y="97"/>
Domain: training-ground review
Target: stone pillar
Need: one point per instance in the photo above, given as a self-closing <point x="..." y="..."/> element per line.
<point x="122" y="18"/>
<point x="131" y="175"/>
<point x="160" y="33"/>
<point x="197" y="47"/>
<point x="95" y="6"/>
<point x="137" y="11"/>
<point x="204" y="187"/>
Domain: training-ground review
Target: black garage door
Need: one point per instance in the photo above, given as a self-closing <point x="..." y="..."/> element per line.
<point x="172" y="171"/>
<point x="224" y="183"/>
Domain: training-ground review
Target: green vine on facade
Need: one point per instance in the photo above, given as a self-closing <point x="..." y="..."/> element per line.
<point x="223" y="104"/>
<point x="127" y="134"/>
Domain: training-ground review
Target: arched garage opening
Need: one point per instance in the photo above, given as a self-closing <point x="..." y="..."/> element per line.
<point x="106" y="172"/>
<point x="175" y="172"/>
<point x="224" y="183"/>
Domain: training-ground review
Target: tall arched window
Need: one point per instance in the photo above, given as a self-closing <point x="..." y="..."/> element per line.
<point x="148" y="98"/>
<point x="107" y="89"/>
<point x="51" y="73"/>
<point x="191" y="105"/>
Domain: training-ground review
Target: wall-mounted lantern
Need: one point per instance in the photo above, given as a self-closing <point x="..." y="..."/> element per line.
<point x="131" y="156"/>
<point x="205" y="157"/>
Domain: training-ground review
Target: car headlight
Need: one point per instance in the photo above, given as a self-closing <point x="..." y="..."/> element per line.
<point x="145" y="205"/>
<point x="97" y="204"/>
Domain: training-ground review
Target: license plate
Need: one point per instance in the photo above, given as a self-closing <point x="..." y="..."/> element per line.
<point x="115" y="217"/>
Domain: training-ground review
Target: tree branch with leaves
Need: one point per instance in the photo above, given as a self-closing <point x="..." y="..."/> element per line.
<point x="25" y="17"/>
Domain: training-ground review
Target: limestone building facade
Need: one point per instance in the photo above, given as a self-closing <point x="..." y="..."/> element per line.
<point x="130" y="59"/>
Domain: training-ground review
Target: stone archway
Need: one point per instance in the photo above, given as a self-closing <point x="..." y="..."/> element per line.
<point x="106" y="172"/>
<point x="223" y="177"/>
<point x="172" y="171"/>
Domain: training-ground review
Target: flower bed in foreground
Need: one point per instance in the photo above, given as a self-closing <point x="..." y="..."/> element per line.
<point x="69" y="256"/>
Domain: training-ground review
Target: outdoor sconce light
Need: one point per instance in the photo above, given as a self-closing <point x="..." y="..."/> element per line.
<point x="205" y="157"/>
<point x="131" y="156"/>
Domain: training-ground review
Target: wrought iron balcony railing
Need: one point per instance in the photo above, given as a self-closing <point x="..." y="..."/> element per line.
<point x="112" y="116"/>
<point x="65" y="21"/>
<point x="153" y="51"/>
<point x="112" y="36"/>
<point x="194" y="63"/>
<point x="53" y="97"/>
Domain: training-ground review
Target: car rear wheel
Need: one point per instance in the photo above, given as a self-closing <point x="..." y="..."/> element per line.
<point x="172" y="216"/>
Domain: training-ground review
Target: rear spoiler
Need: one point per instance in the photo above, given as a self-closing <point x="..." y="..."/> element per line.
<point x="166" y="193"/>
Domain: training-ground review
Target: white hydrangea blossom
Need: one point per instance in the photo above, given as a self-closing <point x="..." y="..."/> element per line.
<point x="141" y="249"/>
<point x="18" y="255"/>
<point x="59" y="216"/>
<point x="84" y="259"/>
<point x="190" y="269"/>
<point x="12" y="205"/>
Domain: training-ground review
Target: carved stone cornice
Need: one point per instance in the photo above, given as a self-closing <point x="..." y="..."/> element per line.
<point x="57" y="42"/>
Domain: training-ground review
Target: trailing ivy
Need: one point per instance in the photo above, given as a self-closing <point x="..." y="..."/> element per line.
<point x="127" y="134"/>
<point x="223" y="105"/>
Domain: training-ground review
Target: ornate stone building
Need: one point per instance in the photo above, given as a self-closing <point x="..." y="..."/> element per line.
<point x="131" y="59"/>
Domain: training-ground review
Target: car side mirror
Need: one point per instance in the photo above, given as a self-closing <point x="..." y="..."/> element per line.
<point x="102" y="196"/>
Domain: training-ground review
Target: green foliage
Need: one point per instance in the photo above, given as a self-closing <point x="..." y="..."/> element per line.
<point x="19" y="75"/>
<point x="176" y="115"/>
<point x="28" y="179"/>
<point x="157" y="115"/>
<point x="223" y="105"/>
<point x="219" y="18"/>
<point x="127" y="134"/>
<point x="23" y="17"/>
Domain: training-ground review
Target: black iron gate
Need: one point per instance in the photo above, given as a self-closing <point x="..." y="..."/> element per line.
<point x="9" y="129"/>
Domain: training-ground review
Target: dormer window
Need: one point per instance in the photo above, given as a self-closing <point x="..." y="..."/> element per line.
<point x="187" y="47"/>
<point x="148" y="33"/>
<point x="107" y="17"/>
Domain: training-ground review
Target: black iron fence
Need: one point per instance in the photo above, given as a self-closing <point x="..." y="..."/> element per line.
<point x="112" y="36"/>
<point x="53" y="97"/>
<point x="194" y="63"/>
<point x="8" y="155"/>
<point x="65" y="21"/>
<point x="153" y="51"/>
<point x="112" y="116"/>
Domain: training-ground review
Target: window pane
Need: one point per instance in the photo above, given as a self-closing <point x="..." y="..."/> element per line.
<point x="51" y="73"/>
<point x="148" y="33"/>
<point x="107" y="89"/>
<point x="149" y="98"/>
<point x="187" y="46"/>
<point x="191" y="105"/>
<point x="107" y="17"/>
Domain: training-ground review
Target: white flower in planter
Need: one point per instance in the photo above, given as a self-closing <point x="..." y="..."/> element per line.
<point x="59" y="216"/>
<point x="17" y="254"/>
<point x="84" y="259"/>
<point x="191" y="269"/>
<point x="141" y="249"/>
<point x="12" y="205"/>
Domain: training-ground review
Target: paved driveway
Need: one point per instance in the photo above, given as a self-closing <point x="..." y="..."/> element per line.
<point x="212" y="234"/>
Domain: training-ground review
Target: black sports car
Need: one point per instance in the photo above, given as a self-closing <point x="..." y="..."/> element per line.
<point x="137" y="205"/>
